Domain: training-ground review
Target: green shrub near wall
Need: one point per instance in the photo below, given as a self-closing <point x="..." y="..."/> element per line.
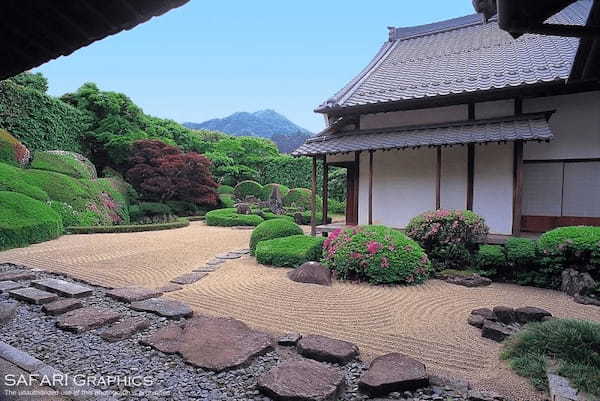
<point x="290" y="251"/>
<point x="491" y="259"/>
<point x="25" y="221"/>
<point x="230" y="218"/>
<point x="271" y="229"/>
<point x="40" y="121"/>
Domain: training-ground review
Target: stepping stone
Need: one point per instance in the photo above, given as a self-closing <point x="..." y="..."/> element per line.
<point x="215" y="262"/>
<point x="289" y="340"/>
<point x="244" y="227"/>
<point x="189" y="278"/>
<point x="163" y="307"/>
<point x="505" y="314"/>
<point x="393" y="372"/>
<point x="206" y="269"/>
<point x="311" y="273"/>
<point x="124" y="329"/>
<point x="8" y="285"/>
<point x="169" y="288"/>
<point x="86" y="319"/>
<point x="16" y="275"/>
<point x="228" y="255"/>
<point x="241" y="252"/>
<point x="212" y="343"/>
<point x="63" y="288"/>
<point x="496" y="331"/>
<point x="7" y="312"/>
<point x="33" y="295"/>
<point x="531" y="314"/>
<point x="302" y="380"/>
<point x="62" y="306"/>
<point x="327" y="349"/>
<point x="132" y="294"/>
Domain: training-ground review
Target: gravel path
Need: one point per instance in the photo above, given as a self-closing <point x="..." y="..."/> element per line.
<point x="427" y="322"/>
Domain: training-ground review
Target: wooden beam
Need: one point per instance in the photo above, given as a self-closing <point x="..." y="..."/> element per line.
<point x="371" y="187"/>
<point x="313" y="199"/>
<point x="470" y="174"/>
<point x="325" y="190"/>
<point x="356" y="184"/>
<point x="438" y="178"/>
<point x="517" y="187"/>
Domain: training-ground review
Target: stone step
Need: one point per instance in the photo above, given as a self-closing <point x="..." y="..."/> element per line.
<point x="163" y="307"/>
<point x="188" y="278"/>
<point x="133" y="294"/>
<point x="62" y="306"/>
<point x="86" y="319"/>
<point x="327" y="349"/>
<point x="33" y="295"/>
<point x="169" y="288"/>
<point x="63" y="288"/>
<point x="16" y="275"/>
<point x="8" y="285"/>
<point x="125" y="329"/>
<point x="228" y="255"/>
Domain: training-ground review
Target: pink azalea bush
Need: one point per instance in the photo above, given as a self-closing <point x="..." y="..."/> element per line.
<point x="377" y="254"/>
<point x="450" y="237"/>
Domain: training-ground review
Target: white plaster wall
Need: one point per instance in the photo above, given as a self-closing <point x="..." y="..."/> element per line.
<point x="414" y="117"/>
<point x="341" y="157"/>
<point x="493" y="186"/>
<point x="403" y="186"/>
<point x="576" y="127"/>
<point x="499" y="108"/>
<point x="453" y="191"/>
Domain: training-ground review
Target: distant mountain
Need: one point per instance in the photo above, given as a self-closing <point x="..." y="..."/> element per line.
<point x="265" y="123"/>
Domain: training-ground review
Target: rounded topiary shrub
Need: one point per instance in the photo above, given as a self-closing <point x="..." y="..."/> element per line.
<point x="69" y="163"/>
<point x="450" y="237"/>
<point x="376" y="254"/>
<point x="268" y="190"/>
<point x="25" y="221"/>
<point x="491" y="259"/>
<point x="12" y="151"/>
<point x="298" y="197"/>
<point x="230" y="218"/>
<point x="247" y="188"/>
<point x="290" y="251"/>
<point x="271" y="229"/>
<point x="225" y="189"/>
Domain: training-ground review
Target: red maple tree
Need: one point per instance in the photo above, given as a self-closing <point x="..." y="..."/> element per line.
<point x="162" y="172"/>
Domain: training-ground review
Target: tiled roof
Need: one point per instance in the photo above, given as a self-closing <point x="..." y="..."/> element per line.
<point x="459" y="56"/>
<point x="529" y="127"/>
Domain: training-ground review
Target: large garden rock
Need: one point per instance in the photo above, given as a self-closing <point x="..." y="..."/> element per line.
<point x="302" y="380"/>
<point x="311" y="273"/>
<point x="163" y="307"/>
<point x="327" y="349"/>
<point x="393" y="372"/>
<point x="474" y="280"/>
<point x="496" y="331"/>
<point x="476" y="320"/>
<point x="243" y="208"/>
<point x="85" y="319"/>
<point x="505" y="314"/>
<point x="574" y="282"/>
<point x="531" y="314"/>
<point x="585" y="300"/>
<point x="212" y="343"/>
<point x="486" y="313"/>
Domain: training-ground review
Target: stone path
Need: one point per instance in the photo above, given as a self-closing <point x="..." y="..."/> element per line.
<point x="426" y="322"/>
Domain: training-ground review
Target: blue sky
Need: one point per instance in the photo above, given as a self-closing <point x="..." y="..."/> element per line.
<point x="209" y="59"/>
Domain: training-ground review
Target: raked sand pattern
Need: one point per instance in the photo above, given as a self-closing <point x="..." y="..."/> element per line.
<point x="427" y="322"/>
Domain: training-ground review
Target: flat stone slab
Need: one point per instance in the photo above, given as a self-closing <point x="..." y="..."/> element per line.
<point x="228" y="255"/>
<point x="560" y="388"/>
<point x="206" y="269"/>
<point x="302" y="380"/>
<point x="16" y="275"/>
<point x="85" y="319"/>
<point x="163" y="307"/>
<point x="241" y="251"/>
<point x="393" y="372"/>
<point x="531" y="314"/>
<point x="169" y="288"/>
<point x="289" y="340"/>
<point x="212" y="343"/>
<point x="189" y="278"/>
<point x="8" y="285"/>
<point x="133" y="294"/>
<point x="125" y="329"/>
<point x="485" y="313"/>
<point x="33" y="295"/>
<point x="327" y="349"/>
<point x="63" y="288"/>
<point x="62" y="306"/>
<point x="215" y="262"/>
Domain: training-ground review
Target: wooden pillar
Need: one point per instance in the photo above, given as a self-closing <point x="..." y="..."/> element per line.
<point x="371" y="187"/>
<point x="517" y="187"/>
<point x="325" y="190"/>
<point x="313" y="198"/>
<point x="470" y="175"/>
<point x="438" y="178"/>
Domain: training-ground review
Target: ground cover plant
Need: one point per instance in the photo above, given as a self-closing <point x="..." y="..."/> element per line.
<point x="377" y="254"/>
<point x="290" y="251"/>
<point x="573" y="346"/>
<point x="274" y="228"/>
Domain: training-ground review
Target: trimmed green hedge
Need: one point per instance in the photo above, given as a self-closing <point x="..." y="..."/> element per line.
<point x="148" y="209"/>
<point x="225" y="189"/>
<point x="268" y="189"/>
<point x="25" y="221"/>
<point x="570" y="239"/>
<point x="186" y="209"/>
<point x="40" y="121"/>
<point x="247" y="188"/>
<point x="273" y="216"/>
<point x="289" y="251"/>
<point x="306" y="216"/>
<point x="11" y="179"/>
<point x="271" y="229"/>
<point x="490" y="258"/>
<point x="69" y="163"/>
<point x="133" y="228"/>
<point x="229" y="218"/>
<point x="298" y="197"/>
<point x="226" y="201"/>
